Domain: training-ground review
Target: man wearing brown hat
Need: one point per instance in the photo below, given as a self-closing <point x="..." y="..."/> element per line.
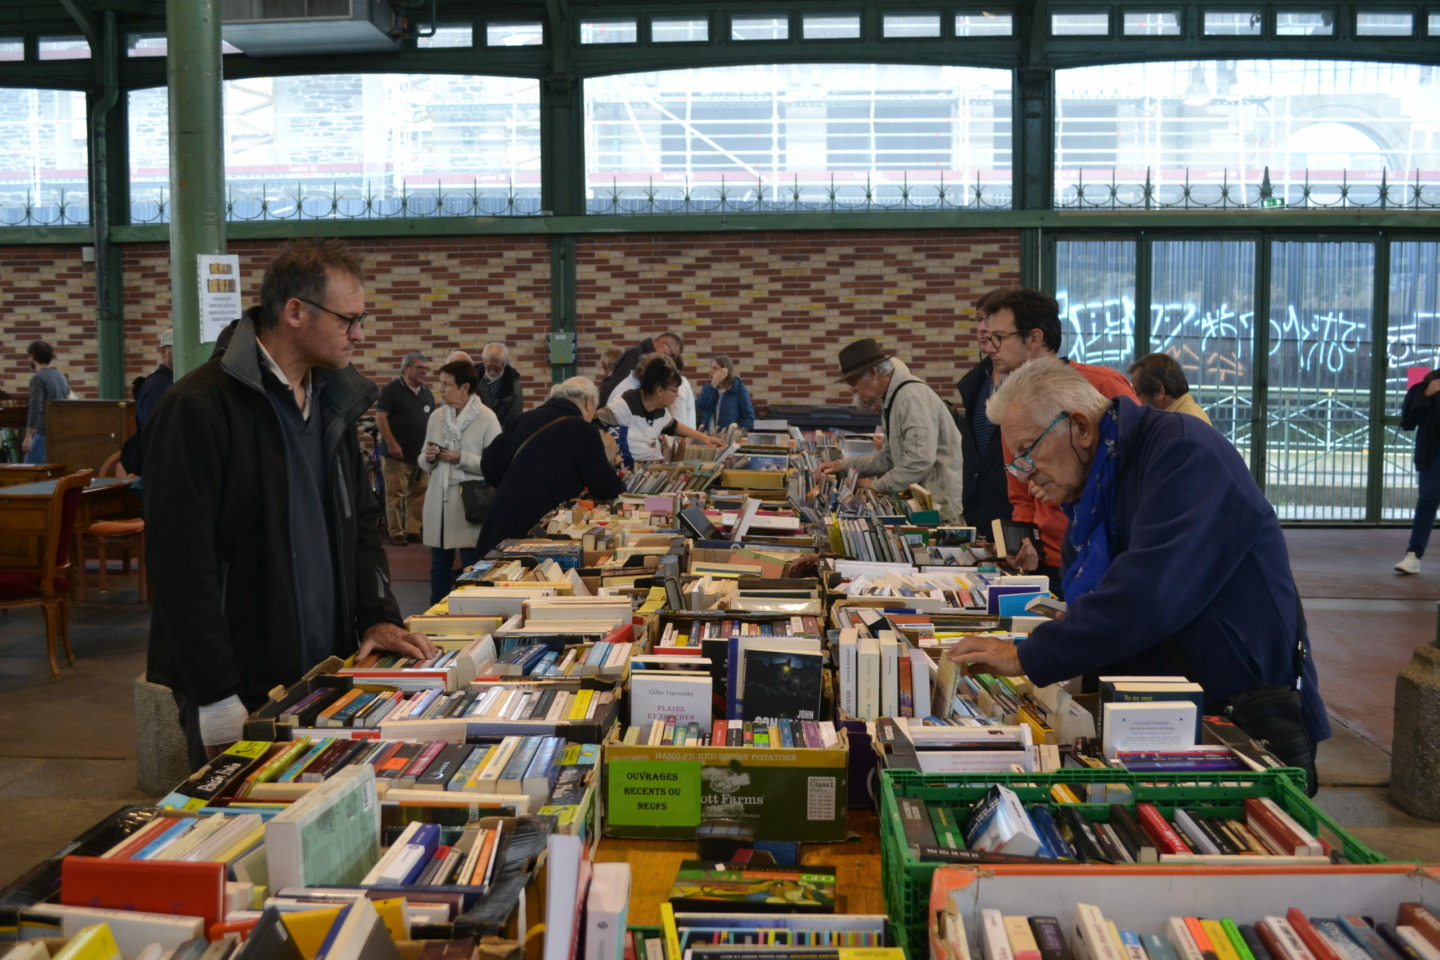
<point x="922" y="443"/>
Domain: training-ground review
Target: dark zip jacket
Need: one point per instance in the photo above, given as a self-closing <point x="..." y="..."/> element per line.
<point x="217" y="529"/>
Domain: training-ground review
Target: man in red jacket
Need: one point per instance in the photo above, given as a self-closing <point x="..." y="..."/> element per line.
<point x="1025" y="326"/>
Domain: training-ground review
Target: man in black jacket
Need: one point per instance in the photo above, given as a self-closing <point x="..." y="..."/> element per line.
<point x="552" y="454"/>
<point x="262" y="536"/>
<point x="500" y="384"/>
<point x="986" y="497"/>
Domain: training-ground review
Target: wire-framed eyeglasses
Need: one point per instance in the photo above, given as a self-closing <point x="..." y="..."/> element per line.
<point x="1022" y="465"/>
<point x="350" y="322"/>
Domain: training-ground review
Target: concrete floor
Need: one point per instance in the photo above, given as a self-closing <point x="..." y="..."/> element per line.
<point x="67" y="755"/>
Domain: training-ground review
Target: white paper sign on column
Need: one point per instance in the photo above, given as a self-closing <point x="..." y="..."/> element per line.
<point x="219" y="278"/>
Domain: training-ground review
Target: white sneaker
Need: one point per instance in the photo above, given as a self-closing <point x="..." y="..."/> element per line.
<point x="1411" y="564"/>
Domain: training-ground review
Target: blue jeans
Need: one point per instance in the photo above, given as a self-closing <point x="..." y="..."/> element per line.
<point x="37" y="449"/>
<point x="1425" y="507"/>
<point x="442" y="570"/>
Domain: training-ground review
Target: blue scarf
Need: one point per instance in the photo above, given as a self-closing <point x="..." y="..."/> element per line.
<point x="1092" y="519"/>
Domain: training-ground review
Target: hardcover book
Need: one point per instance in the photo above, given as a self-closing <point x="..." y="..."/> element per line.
<point x="702" y="885"/>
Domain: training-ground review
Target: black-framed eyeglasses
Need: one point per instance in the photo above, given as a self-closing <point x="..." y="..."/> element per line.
<point x="350" y="322"/>
<point x="996" y="339"/>
<point x="1022" y="465"/>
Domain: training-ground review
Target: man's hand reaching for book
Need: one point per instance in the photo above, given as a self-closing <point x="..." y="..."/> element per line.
<point x="1026" y="559"/>
<point x="395" y="639"/>
<point x="1000" y="656"/>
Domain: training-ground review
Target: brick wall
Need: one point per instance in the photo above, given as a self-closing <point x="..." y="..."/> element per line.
<point x="782" y="304"/>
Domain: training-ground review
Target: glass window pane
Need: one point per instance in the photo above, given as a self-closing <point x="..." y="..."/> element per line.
<point x="64" y="48"/>
<point x="350" y="146"/>
<point x="1204" y="134"/>
<point x="1095" y="285"/>
<point x="1307" y="23"/>
<point x="145" y="46"/>
<point x="984" y="25"/>
<point x="1080" y="24"/>
<point x="1152" y="24"/>
<point x="1244" y="23"/>
<point x="529" y="33"/>
<point x="448" y="37"/>
<point x="912" y="25"/>
<point x="12" y="48"/>
<point x="829" y="27"/>
<point x="1413" y="351"/>
<point x="43" y="160"/>
<point x="775" y="137"/>
<point x="1384" y="24"/>
<point x="1202" y="313"/>
<point x="1319" y="395"/>
<point x="760" y="28"/>
<point x="1435" y="24"/>
<point x="608" y="31"/>
<point x="679" y="30"/>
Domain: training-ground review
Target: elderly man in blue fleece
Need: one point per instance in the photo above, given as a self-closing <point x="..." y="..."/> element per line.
<point x="1174" y="561"/>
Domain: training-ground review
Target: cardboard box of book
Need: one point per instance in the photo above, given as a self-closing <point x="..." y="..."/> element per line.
<point x="1144" y="900"/>
<point x="266" y="723"/>
<point x="661" y="792"/>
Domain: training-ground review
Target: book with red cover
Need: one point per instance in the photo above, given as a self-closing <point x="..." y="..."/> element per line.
<point x="1425" y="923"/>
<point x="175" y="887"/>
<point x="1159" y="830"/>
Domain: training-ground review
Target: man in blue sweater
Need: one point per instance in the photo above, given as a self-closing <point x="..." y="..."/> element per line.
<point x="1174" y="562"/>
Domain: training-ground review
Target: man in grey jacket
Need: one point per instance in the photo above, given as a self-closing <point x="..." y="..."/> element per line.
<point x="922" y="443"/>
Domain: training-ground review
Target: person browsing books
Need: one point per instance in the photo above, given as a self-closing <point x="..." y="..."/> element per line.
<point x="552" y="454"/>
<point x="401" y="415"/>
<point x="724" y="400"/>
<point x="921" y="443"/>
<point x="1173" y="561"/>
<point x="458" y="432"/>
<point x="638" y="417"/>
<point x="1159" y="381"/>
<point x="262" y="532"/>
<point x="1025" y="326"/>
<point x="1421" y="413"/>
<point x="987" y="498"/>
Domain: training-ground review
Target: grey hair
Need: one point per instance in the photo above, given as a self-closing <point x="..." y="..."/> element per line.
<point x="503" y="350"/>
<point x="411" y="359"/>
<point x="1046" y="388"/>
<point x="458" y="355"/>
<point x="884" y="368"/>
<point x="578" y="390"/>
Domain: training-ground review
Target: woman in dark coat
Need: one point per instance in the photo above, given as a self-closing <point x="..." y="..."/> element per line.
<point x="568" y="455"/>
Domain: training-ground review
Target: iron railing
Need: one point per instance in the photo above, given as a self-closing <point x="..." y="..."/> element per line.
<point x="1415" y="191"/>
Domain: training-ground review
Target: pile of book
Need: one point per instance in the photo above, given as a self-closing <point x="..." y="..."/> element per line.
<point x="774" y="734"/>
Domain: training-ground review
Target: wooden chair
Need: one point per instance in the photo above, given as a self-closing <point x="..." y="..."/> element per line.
<point x="49" y="587"/>
<point x="128" y="535"/>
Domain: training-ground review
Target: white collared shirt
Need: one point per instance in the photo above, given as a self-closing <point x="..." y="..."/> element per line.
<point x="275" y="369"/>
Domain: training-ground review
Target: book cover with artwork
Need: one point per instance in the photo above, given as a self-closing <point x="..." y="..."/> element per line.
<point x="781" y="684"/>
<point x="704" y="885"/>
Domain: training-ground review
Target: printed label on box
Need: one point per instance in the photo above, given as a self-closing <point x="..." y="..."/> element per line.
<point x="820" y="798"/>
<point x="645" y="793"/>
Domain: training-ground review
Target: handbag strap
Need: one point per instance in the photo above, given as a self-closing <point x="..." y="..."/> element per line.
<point x="516" y="455"/>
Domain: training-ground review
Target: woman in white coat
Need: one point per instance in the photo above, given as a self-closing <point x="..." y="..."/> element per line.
<point x="459" y="431"/>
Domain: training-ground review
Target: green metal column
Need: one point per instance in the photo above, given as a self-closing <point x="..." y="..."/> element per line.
<point x="562" y="181"/>
<point x="104" y="40"/>
<point x="1260" y="377"/>
<point x="197" y="170"/>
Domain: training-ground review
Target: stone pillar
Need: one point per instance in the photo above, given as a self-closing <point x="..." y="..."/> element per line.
<point x="161" y="758"/>
<point x="1415" y="757"/>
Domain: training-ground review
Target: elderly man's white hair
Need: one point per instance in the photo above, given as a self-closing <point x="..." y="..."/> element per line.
<point x="1044" y="389"/>
<point x="502" y="351"/>
<point x="578" y="390"/>
<point x="458" y="355"/>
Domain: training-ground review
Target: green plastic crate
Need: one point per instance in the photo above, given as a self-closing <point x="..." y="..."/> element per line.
<point x="907" y="881"/>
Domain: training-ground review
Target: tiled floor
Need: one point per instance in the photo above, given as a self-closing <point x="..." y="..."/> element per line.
<point x="67" y="752"/>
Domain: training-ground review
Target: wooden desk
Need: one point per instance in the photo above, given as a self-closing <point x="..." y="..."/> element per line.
<point x="16" y="473"/>
<point x="24" y="508"/>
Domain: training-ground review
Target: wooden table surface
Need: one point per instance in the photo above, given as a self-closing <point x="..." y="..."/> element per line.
<point x="653" y="864"/>
<point x="24" y="513"/>
<point x="15" y="473"/>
